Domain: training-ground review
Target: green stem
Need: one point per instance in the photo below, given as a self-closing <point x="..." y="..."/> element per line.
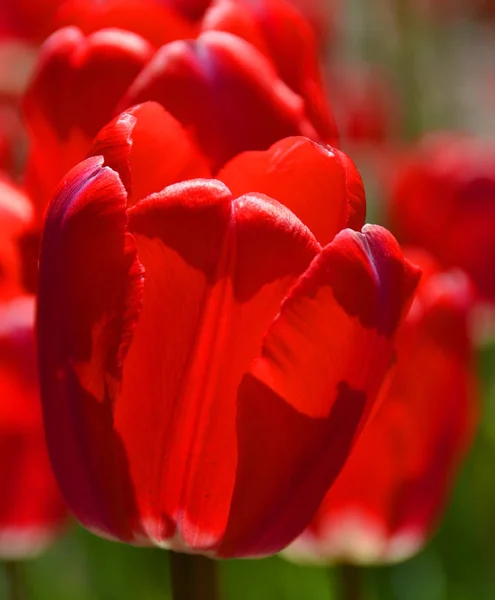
<point x="350" y="582"/>
<point x="194" y="577"/>
<point x="13" y="576"/>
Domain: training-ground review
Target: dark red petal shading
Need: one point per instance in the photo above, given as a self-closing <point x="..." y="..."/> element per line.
<point x="244" y="105"/>
<point x="32" y="511"/>
<point x="192" y="9"/>
<point x="321" y="185"/>
<point x="149" y="149"/>
<point x="151" y="19"/>
<point x="279" y="31"/>
<point x="215" y="290"/>
<point x="321" y="366"/>
<point x="16" y="214"/>
<point x="73" y="94"/>
<point x="393" y="488"/>
<point x="89" y="298"/>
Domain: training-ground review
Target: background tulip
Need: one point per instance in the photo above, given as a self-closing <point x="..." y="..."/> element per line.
<point x="392" y="490"/>
<point x="443" y="199"/>
<point x="32" y="512"/>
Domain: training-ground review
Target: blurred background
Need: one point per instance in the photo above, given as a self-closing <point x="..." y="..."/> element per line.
<point x="394" y="70"/>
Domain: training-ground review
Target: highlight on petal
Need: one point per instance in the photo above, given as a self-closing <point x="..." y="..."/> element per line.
<point x="423" y="426"/>
<point x="149" y="149"/>
<point x="216" y="290"/>
<point x="244" y="105"/>
<point x="32" y="512"/>
<point x="320" y="184"/>
<point x="321" y="365"/>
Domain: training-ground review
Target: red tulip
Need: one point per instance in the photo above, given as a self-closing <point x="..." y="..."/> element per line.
<point x="443" y="199"/>
<point x="391" y="492"/>
<point x="222" y="88"/>
<point x="366" y="105"/>
<point x="205" y="362"/>
<point x="32" y="511"/>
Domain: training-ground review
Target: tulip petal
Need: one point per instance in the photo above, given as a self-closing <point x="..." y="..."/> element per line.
<point x="322" y="362"/>
<point x="419" y="434"/>
<point x="89" y="299"/>
<point x="244" y="105"/>
<point x="208" y="299"/>
<point x="319" y="184"/>
<point x="149" y="149"/>
<point x="279" y="31"/>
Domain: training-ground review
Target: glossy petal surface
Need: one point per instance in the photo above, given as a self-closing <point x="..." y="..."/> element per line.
<point x="138" y="143"/>
<point x="321" y="185"/>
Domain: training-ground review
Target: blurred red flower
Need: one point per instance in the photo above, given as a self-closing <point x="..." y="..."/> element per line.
<point x="392" y="490"/>
<point x="16" y="215"/>
<point x="443" y="199"/>
<point x="245" y="76"/>
<point x="209" y="350"/>
<point x="31" y="508"/>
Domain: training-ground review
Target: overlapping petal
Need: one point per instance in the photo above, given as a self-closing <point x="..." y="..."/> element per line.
<point x="135" y="143"/>
<point x="321" y="185"/>
<point x="244" y="105"/>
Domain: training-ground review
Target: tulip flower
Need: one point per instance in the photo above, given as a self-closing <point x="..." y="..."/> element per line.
<point x="366" y="105"/>
<point x="392" y="490"/>
<point x="32" y="512"/>
<point x="230" y="93"/>
<point x="206" y="360"/>
<point x="443" y="199"/>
